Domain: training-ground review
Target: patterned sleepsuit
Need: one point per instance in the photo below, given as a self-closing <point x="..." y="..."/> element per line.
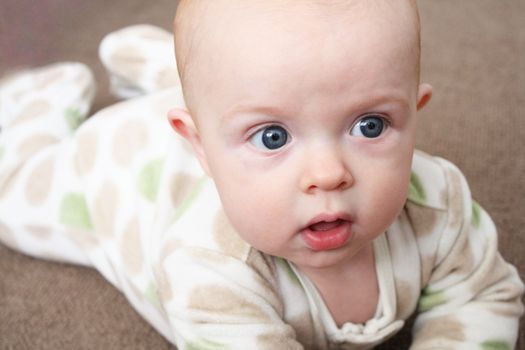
<point x="121" y="192"/>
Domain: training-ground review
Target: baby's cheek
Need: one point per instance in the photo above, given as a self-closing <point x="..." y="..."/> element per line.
<point x="258" y="216"/>
<point x="388" y="199"/>
<point x="242" y="210"/>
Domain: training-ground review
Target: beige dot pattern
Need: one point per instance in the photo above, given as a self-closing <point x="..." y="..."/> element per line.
<point x="168" y="77"/>
<point x="427" y="266"/>
<point x="455" y="200"/>
<point x="422" y="219"/>
<point x="32" y="111"/>
<point x="204" y="298"/>
<point x="303" y="325"/>
<point x="208" y="256"/>
<point x="265" y="267"/>
<point x="83" y="238"/>
<point x="226" y="237"/>
<point x="39" y="182"/>
<point x="48" y="76"/>
<point x="131" y="247"/>
<point x="40" y="232"/>
<point x="448" y="327"/>
<point x="181" y="186"/>
<point x="105" y="209"/>
<point x="169" y="247"/>
<point x="511" y="308"/>
<point x="282" y="341"/>
<point x="86" y="152"/>
<point x="129" y="139"/>
<point x="459" y="260"/>
<point x="405" y="299"/>
<point x="164" y="286"/>
<point x="34" y="144"/>
<point x="127" y="61"/>
<point x="261" y="263"/>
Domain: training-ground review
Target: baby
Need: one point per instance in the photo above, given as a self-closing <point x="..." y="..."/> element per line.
<point x="301" y="218"/>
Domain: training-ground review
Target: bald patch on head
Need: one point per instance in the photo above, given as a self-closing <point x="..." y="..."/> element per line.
<point x="199" y="22"/>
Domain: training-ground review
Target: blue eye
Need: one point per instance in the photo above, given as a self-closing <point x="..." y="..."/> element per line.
<point x="371" y="126"/>
<point x="272" y="137"/>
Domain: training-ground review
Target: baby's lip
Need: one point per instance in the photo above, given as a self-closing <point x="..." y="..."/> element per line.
<point x="327" y="231"/>
<point x="325" y="221"/>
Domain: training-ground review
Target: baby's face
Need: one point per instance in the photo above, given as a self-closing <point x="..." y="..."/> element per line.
<point x="306" y="122"/>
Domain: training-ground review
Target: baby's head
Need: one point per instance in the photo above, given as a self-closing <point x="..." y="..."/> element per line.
<point x="304" y="114"/>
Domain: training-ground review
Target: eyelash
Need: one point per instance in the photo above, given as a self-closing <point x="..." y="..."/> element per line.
<point x="251" y="137"/>
<point x="386" y="124"/>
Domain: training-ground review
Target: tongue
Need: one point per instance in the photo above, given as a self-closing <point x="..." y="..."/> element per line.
<point x="325" y="226"/>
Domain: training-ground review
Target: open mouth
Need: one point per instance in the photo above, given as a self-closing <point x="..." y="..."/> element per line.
<point x="326" y="225"/>
<point x="327" y="233"/>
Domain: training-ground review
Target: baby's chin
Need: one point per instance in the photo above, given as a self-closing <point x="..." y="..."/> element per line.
<point x="310" y="260"/>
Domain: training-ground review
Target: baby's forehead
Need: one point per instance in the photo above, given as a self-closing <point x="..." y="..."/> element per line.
<point x="208" y="32"/>
<point x="199" y="13"/>
<point x="199" y="21"/>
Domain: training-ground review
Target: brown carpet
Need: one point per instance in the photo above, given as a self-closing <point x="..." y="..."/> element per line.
<point x="473" y="55"/>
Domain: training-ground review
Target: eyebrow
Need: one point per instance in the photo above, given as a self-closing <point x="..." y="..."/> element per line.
<point x="241" y="108"/>
<point x="251" y="109"/>
<point x="383" y="99"/>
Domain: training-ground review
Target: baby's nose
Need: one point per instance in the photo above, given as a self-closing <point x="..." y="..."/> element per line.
<point x="325" y="172"/>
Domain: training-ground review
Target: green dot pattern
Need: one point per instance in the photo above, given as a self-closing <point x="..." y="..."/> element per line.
<point x="149" y="179"/>
<point x="73" y="118"/>
<point x="151" y="295"/>
<point x="205" y="344"/>
<point x="476" y="215"/>
<point x="289" y="272"/>
<point x="495" y="345"/>
<point x="430" y="300"/>
<point x="416" y="192"/>
<point x="74" y="212"/>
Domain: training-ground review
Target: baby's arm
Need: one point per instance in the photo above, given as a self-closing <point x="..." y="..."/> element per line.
<point x="39" y="191"/>
<point x="216" y="290"/>
<point x="215" y="301"/>
<point x="473" y="297"/>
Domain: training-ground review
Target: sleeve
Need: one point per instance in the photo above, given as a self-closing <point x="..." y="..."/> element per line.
<point x="139" y="60"/>
<point x="40" y="193"/>
<point x="473" y="297"/>
<point x="214" y="301"/>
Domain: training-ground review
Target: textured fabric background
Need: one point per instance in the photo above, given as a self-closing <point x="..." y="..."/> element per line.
<point x="473" y="55"/>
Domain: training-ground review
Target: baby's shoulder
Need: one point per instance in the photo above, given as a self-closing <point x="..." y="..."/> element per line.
<point x="200" y="225"/>
<point x="438" y="200"/>
<point x="435" y="182"/>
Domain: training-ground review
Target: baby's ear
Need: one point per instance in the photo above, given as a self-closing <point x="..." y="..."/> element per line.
<point x="181" y="121"/>
<point x="424" y="95"/>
